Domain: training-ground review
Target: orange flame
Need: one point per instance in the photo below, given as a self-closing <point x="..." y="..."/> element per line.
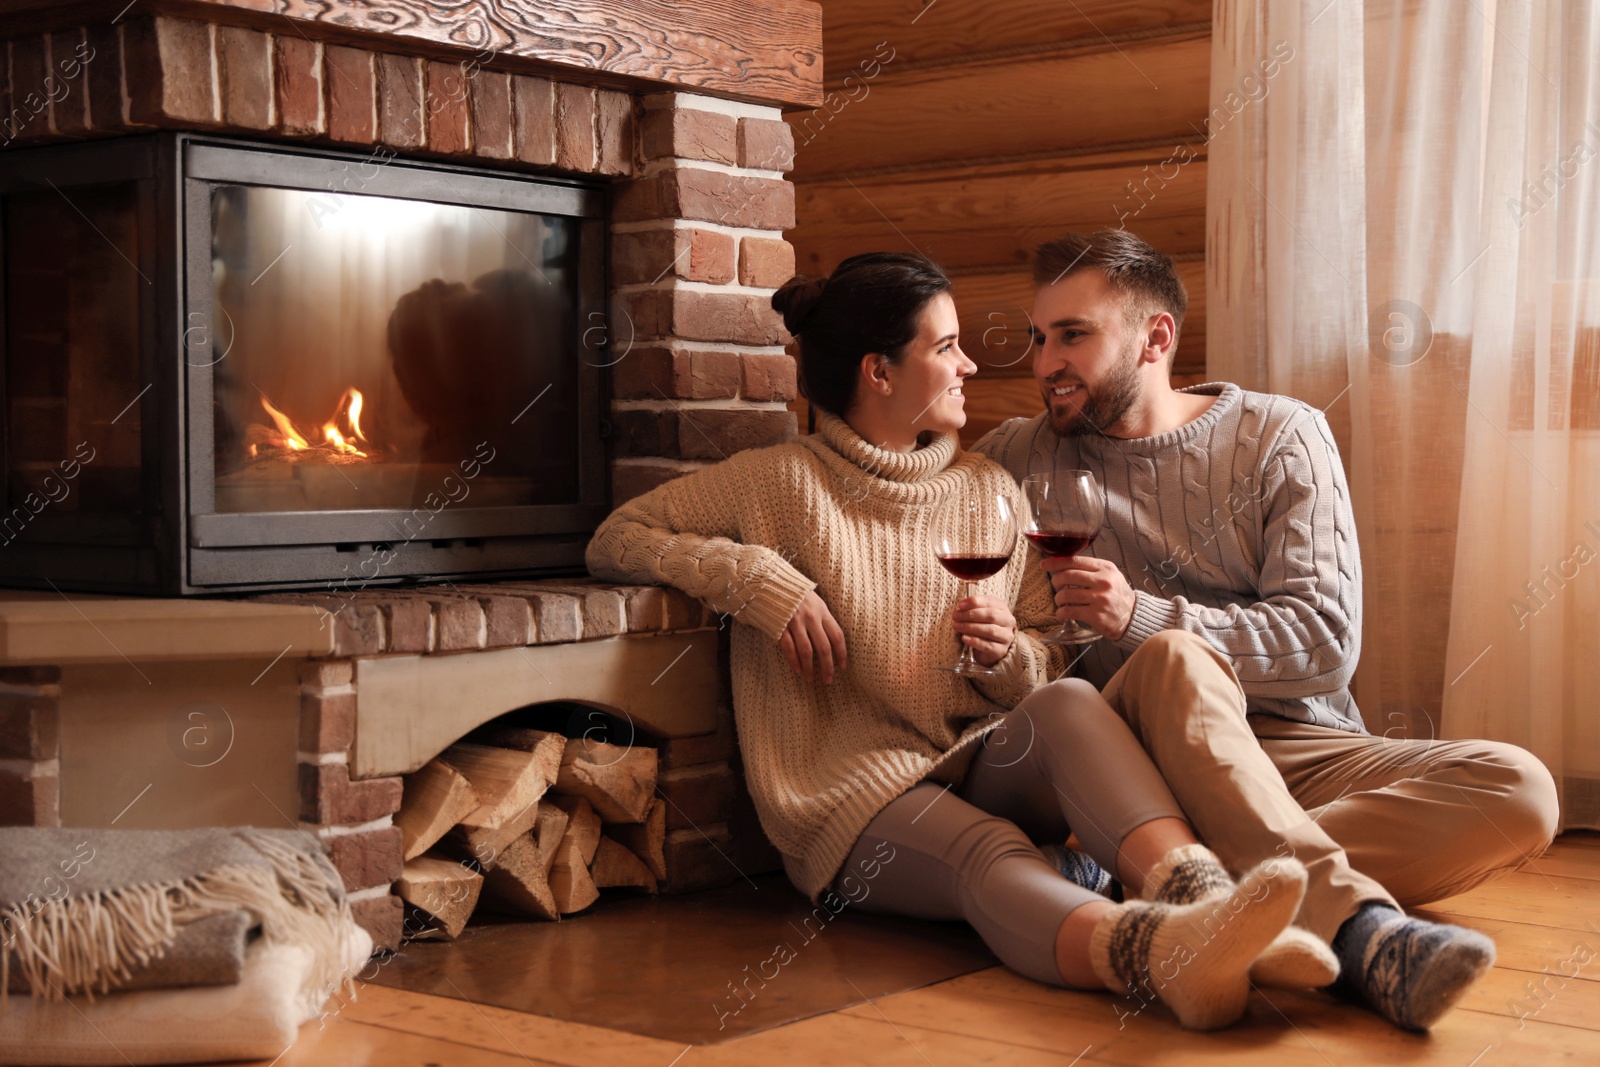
<point x="342" y="432"/>
<point x="291" y="437"/>
<point x="344" y="440"/>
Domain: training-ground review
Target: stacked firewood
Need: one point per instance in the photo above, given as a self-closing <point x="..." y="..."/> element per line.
<point x="527" y="822"/>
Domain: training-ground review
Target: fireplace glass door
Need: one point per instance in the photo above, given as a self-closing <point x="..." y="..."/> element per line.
<point x="366" y="347"/>
<point x="388" y="358"/>
<point x="233" y="366"/>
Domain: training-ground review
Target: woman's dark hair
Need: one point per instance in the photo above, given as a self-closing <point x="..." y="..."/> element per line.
<point x="870" y="303"/>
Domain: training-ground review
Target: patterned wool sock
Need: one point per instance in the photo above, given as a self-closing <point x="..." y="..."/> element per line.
<point x="1408" y="970"/>
<point x="1080" y="868"/>
<point x="1196" y="957"/>
<point x="1296" y="959"/>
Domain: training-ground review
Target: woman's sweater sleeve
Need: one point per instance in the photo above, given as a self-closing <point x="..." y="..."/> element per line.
<point x="688" y="533"/>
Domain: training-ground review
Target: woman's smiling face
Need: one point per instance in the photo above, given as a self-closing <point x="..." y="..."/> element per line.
<point x="927" y="382"/>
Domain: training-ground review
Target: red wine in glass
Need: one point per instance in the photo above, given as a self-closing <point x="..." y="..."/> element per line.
<point x="1053" y="543"/>
<point x="972" y="567"/>
<point x="1065" y="512"/>
<point x="974" y="536"/>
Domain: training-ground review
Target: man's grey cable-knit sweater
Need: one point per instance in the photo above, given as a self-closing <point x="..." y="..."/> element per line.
<point x="1236" y="527"/>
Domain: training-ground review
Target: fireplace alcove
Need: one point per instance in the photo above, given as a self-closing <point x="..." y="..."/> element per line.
<point x="433" y="315"/>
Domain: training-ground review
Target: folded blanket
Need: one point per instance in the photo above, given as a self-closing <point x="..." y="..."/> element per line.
<point x="91" y="911"/>
<point x="256" y="1019"/>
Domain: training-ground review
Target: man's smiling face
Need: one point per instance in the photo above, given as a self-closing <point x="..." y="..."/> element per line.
<point x="1087" y="356"/>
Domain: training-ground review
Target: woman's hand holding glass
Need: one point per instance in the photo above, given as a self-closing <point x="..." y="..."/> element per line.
<point x="986" y="626"/>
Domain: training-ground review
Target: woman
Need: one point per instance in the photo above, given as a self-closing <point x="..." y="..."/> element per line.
<point x="910" y="790"/>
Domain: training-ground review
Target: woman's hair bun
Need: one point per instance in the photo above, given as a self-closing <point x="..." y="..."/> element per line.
<point x="796" y="299"/>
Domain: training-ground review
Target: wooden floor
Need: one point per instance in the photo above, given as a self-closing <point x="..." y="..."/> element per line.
<point x="1540" y="1005"/>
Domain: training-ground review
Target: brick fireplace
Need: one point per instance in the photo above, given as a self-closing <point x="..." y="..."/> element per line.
<point x="672" y="111"/>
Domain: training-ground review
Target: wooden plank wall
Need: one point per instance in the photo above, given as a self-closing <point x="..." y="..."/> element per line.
<point x="972" y="130"/>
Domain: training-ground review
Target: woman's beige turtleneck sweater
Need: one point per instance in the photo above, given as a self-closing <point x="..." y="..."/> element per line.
<point x="751" y="536"/>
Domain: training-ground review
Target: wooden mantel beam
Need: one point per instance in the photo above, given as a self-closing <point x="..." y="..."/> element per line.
<point x="718" y="47"/>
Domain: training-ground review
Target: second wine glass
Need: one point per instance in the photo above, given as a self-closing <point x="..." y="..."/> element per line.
<point x="1065" y="512"/>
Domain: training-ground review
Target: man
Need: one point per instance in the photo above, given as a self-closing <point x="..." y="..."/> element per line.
<point x="1229" y="555"/>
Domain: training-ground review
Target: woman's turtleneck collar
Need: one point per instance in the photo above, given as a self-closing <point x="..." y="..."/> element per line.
<point x="914" y="466"/>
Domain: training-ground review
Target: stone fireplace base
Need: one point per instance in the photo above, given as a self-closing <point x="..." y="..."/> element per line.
<point x="306" y="710"/>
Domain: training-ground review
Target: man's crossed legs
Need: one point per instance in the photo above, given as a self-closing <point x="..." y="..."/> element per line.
<point x="1379" y="823"/>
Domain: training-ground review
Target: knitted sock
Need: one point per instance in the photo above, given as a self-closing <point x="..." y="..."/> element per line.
<point x="1296" y="959"/>
<point x="1410" y="971"/>
<point x="1080" y="868"/>
<point x="1196" y="957"/>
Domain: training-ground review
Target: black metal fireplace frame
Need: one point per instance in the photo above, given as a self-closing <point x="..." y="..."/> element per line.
<point x="179" y="544"/>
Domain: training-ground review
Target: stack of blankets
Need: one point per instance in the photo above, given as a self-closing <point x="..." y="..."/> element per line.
<point x="155" y="946"/>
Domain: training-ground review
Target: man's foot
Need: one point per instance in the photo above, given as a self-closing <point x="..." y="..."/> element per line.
<point x="1196" y="957"/>
<point x="1296" y="959"/>
<point x="1408" y="970"/>
<point x="1079" y="868"/>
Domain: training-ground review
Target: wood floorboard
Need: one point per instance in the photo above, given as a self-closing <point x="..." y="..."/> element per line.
<point x="502" y="1030"/>
<point x="347" y="1042"/>
<point x="1540" y="1005"/>
<point x="1538" y="899"/>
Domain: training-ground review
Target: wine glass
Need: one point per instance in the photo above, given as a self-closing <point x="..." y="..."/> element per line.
<point x="1065" y="512"/>
<point x="974" y="537"/>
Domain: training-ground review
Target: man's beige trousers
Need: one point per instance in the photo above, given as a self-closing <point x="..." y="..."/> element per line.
<point x="1372" y="818"/>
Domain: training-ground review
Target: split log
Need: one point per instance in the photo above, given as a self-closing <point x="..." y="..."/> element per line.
<point x="614" y="865"/>
<point x="508" y="782"/>
<point x="546" y="746"/>
<point x="518" y="879"/>
<point x="583" y="824"/>
<point x="570" y="881"/>
<point x="483" y="843"/>
<point x="443" y="888"/>
<point x="548" y="832"/>
<point x="434" y="799"/>
<point x="647" y="840"/>
<point x="619" y="781"/>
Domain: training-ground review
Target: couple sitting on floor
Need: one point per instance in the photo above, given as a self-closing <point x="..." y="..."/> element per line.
<point x="1226" y="590"/>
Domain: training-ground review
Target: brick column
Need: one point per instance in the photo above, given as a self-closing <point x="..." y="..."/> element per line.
<point x="713" y="834"/>
<point x="30" y="768"/>
<point x="353" y="819"/>
<point x="700" y="370"/>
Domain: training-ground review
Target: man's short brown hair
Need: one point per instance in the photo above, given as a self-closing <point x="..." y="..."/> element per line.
<point x="1146" y="278"/>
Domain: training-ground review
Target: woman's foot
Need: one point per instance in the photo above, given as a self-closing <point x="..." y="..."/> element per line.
<point x="1196" y="957"/>
<point x="1296" y="959"/>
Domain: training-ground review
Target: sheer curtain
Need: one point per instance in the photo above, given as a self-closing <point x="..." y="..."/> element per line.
<point x="1403" y="217"/>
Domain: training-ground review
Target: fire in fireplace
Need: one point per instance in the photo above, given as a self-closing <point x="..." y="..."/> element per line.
<point x="278" y="367"/>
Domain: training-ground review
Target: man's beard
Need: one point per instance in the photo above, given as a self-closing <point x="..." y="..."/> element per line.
<point x="1103" y="406"/>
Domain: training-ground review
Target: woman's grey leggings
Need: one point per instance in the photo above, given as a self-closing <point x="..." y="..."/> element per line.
<point x="1061" y="762"/>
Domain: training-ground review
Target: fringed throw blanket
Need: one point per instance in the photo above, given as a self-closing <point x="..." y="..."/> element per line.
<point x="96" y="911"/>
